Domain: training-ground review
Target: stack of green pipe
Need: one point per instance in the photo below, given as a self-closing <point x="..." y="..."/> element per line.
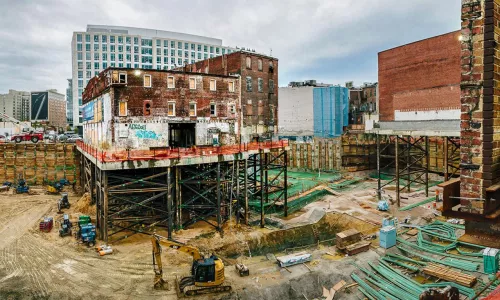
<point x="425" y="249"/>
<point x="451" y="262"/>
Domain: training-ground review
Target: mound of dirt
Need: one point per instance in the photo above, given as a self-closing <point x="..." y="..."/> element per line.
<point x="84" y="205"/>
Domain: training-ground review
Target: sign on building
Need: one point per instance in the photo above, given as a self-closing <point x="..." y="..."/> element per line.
<point x="40" y="106"/>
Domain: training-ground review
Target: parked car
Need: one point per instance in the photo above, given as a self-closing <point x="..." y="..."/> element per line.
<point x="27" y="136"/>
<point x="73" y="139"/>
<point x="4" y="139"/>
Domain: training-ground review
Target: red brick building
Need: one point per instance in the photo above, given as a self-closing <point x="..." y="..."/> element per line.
<point x="259" y="91"/>
<point x="138" y="108"/>
<point x="421" y="80"/>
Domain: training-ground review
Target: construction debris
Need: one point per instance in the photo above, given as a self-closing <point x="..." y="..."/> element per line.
<point x="293" y="259"/>
<point x="346" y="238"/>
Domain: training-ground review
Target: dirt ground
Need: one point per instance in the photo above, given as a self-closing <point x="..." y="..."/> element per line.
<point x="36" y="265"/>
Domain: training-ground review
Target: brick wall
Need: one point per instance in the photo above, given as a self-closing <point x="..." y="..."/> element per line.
<point x="260" y="108"/>
<point x="431" y="65"/>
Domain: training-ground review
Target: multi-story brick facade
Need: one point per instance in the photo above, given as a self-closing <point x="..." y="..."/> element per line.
<point x="137" y="108"/>
<point x="420" y="76"/>
<point x="259" y="91"/>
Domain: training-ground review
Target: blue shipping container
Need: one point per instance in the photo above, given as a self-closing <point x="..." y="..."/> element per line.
<point x="387" y="237"/>
<point x="331" y="110"/>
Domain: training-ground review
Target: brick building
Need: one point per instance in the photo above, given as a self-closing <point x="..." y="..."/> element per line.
<point x="421" y="80"/>
<point x="141" y="109"/>
<point x="259" y="92"/>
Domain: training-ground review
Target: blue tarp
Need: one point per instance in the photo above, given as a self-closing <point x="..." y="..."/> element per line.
<point x="331" y="110"/>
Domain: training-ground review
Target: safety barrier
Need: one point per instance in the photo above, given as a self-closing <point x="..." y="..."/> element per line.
<point x="175" y="153"/>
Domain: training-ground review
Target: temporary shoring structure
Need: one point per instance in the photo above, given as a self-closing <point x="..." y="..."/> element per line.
<point x="134" y="197"/>
<point x="403" y="152"/>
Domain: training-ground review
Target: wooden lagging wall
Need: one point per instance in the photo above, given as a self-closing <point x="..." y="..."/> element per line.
<point x="323" y="154"/>
<point x="38" y="163"/>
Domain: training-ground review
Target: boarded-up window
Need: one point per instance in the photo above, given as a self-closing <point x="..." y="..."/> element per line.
<point x="249" y="84"/>
<point x="192" y="83"/>
<point x="122" y="109"/>
<point x="171" y="109"/>
<point x="260" y="85"/>
<point x="271" y="86"/>
<point x="147" y="107"/>
<point x="249" y="62"/>
<point x="170" y="82"/>
<point x="147" y="80"/>
<point x="231" y="86"/>
<point x="213" y="109"/>
<point x="259" y="62"/>
<point x="232" y="108"/>
<point x="192" y="109"/>
<point x="213" y="85"/>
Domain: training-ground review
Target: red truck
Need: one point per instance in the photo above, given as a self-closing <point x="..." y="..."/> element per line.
<point x="27" y="136"/>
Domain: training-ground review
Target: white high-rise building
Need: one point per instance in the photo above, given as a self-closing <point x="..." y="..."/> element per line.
<point x="103" y="46"/>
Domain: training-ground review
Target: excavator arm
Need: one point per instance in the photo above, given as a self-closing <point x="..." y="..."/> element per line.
<point x="157" y="241"/>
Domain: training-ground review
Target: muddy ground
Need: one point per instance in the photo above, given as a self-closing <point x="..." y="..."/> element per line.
<point x="36" y="265"/>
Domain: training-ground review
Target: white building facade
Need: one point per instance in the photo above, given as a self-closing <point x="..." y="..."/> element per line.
<point x="102" y="46"/>
<point x="295" y="113"/>
<point x="16" y="104"/>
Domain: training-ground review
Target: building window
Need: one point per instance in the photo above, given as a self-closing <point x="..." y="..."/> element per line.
<point x="96" y="38"/>
<point x="172" y="44"/>
<point x="199" y="55"/>
<point x="112" y="39"/>
<point x="231" y="86"/>
<point x="80" y="74"/>
<point x="122" y="109"/>
<point x="211" y="49"/>
<point x="213" y="85"/>
<point x="192" y="83"/>
<point x="171" y="109"/>
<point x="79" y="47"/>
<point x="112" y="48"/>
<point x="249" y="62"/>
<point x="213" y="109"/>
<point x="271" y="86"/>
<point x="205" y="48"/>
<point x="147" y="80"/>
<point x="192" y="109"/>
<point x="171" y="82"/>
<point x="96" y="56"/>
<point x="79" y="38"/>
<point x="122" y="78"/>
<point x="104" y="47"/>
<point x="104" y="38"/>
<point x="136" y="41"/>
<point x="179" y="45"/>
<point x="104" y="65"/>
<point x="165" y="43"/>
<point x="88" y="74"/>
<point x="259" y="62"/>
<point x="217" y="50"/>
<point x="120" y="48"/>
<point x="128" y="40"/>
<point x="88" y="65"/>
<point x="186" y="46"/>
<point x="249" y="84"/>
<point x="104" y="56"/>
<point x="128" y="49"/>
<point x="80" y="65"/>
<point x="232" y="108"/>
<point x="120" y="39"/>
<point x="198" y="47"/>
<point x="87" y="38"/>
<point x="113" y="58"/>
<point x="260" y="85"/>
<point x="120" y="57"/>
<point x="96" y="65"/>
<point x="147" y="107"/>
<point x="80" y="56"/>
<point x="87" y="47"/>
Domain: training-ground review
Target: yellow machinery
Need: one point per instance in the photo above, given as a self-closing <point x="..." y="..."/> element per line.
<point x="207" y="274"/>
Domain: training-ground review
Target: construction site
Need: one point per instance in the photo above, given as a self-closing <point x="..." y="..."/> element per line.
<point x="182" y="189"/>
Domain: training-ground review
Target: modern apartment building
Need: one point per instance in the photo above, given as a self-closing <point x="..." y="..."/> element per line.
<point x="102" y="46"/>
<point x="16" y="104"/>
<point x="48" y="108"/>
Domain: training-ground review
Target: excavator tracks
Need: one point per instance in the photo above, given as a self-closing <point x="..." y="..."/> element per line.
<point x="185" y="287"/>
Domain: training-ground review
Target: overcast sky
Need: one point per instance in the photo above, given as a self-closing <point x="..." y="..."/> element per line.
<point x="332" y="41"/>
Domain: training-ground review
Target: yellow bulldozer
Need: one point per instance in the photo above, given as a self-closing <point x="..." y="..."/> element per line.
<point x="207" y="274"/>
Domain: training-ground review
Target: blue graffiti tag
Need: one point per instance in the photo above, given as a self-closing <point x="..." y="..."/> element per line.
<point x="147" y="134"/>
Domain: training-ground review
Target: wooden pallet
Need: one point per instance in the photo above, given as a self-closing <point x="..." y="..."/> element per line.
<point x="448" y="274"/>
<point x="358" y="247"/>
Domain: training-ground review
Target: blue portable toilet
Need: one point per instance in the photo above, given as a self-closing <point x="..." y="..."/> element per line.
<point x="387" y="237"/>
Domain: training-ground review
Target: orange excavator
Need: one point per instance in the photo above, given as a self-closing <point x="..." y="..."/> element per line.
<point x="207" y="274"/>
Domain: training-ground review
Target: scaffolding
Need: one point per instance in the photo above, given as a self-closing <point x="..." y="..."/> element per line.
<point x="130" y="201"/>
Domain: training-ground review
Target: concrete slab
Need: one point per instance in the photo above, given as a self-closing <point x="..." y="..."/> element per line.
<point x="419" y="128"/>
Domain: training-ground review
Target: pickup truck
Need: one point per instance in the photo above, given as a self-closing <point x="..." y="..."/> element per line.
<point x="27" y="136"/>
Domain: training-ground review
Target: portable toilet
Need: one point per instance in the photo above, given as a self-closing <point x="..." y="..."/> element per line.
<point x="389" y="221"/>
<point x="491" y="259"/>
<point x="387" y="237"/>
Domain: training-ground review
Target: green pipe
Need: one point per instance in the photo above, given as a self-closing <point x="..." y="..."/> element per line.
<point x="409" y="267"/>
<point x="367" y="295"/>
<point x="367" y="287"/>
<point x="400" y="257"/>
<point x="408" y="207"/>
<point x="467" y="266"/>
<point x="402" y="241"/>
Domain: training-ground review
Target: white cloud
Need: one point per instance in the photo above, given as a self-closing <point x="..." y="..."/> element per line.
<point x="35" y="37"/>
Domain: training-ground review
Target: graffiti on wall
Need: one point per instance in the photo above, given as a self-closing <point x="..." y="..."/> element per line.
<point x="141" y="132"/>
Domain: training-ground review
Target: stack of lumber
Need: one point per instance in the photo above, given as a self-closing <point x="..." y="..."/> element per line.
<point x="358" y="247"/>
<point x="346" y="238"/>
<point x="448" y="274"/>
